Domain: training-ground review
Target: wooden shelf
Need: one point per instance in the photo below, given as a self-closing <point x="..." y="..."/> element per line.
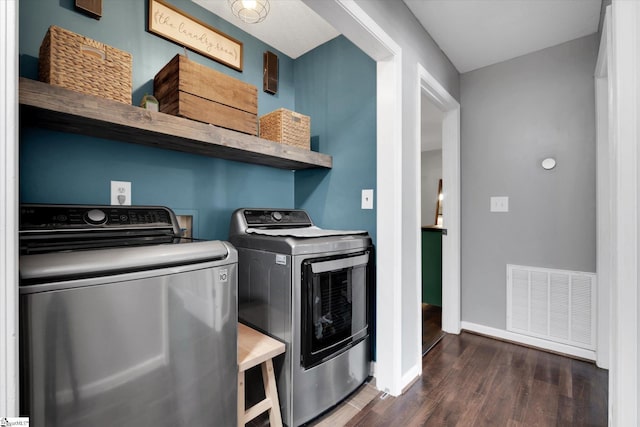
<point x="56" y="108"/>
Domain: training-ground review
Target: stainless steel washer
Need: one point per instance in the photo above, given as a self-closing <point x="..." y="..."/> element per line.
<point x="311" y="288"/>
<point x="123" y="322"/>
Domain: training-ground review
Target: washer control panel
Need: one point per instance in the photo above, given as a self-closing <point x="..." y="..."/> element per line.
<point x="48" y="217"/>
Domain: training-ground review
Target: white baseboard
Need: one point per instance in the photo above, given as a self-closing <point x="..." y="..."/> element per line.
<point x="407" y="379"/>
<point x="529" y="341"/>
<point x="411" y="376"/>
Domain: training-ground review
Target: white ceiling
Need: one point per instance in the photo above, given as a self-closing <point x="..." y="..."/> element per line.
<point x="472" y="33"/>
<point x="477" y="33"/>
<point x="291" y="26"/>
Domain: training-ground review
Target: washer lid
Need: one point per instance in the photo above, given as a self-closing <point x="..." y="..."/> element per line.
<point x="55" y="266"/>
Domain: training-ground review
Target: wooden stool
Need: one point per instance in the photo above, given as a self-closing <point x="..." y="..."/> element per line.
<point x="255" y="348"/>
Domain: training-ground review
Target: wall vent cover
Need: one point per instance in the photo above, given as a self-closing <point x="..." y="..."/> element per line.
<point x="556" y="305"/>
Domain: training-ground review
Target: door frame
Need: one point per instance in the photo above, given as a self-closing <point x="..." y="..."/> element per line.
<point x="605" y="192"/>
<point x="351" y="20"/>
<point x="9" y="209"/>
<point x="393" y="228"/>
<point x="623" y="71"/>
<point x="438" y="96"/>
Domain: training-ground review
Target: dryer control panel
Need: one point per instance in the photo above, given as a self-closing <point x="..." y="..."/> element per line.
<point x="276" y="218"/>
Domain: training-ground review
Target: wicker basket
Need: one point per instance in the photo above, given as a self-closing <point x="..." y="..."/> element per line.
<point x="78" y="63"/>
<point x="286" y="127"/>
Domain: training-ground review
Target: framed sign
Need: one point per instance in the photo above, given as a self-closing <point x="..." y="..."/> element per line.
<point x="174" y="25"/>
<point x="93" y="8"/>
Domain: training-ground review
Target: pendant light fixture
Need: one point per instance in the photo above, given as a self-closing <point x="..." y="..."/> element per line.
<point x="250" y="11"/>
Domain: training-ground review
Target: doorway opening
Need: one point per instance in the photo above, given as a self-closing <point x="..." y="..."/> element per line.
<point x="431" y="218"/>
<point x="447" y="109"/>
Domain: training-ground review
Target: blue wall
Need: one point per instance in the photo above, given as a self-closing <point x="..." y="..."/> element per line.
<point x="65" y="168"/>
<point x="123" y="25"/>
<point x="335" y="84"/>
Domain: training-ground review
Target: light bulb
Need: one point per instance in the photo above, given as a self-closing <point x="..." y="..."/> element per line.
<point x="249" y="4"/>
<point x="250" y="11"/>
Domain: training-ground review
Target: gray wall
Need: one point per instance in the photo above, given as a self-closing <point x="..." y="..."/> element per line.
<point x="514" y="114"/>
<point x="431" y="173"/>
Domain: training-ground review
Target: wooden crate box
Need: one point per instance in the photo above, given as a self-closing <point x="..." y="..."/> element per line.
<point x="188" y="89"/>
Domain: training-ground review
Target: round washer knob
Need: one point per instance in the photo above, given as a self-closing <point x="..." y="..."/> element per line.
<point x="277" y="216"/>
<point x="96" y="217"/>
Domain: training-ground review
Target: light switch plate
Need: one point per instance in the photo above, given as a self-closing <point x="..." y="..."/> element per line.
<point x="367" y="199"/>
<point x="121" y="193"/>
<point x="500" y="204"/>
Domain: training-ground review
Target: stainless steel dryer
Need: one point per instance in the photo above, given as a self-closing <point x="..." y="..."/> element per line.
<point x="310" y="288"/>
<point x="123" y="322"/>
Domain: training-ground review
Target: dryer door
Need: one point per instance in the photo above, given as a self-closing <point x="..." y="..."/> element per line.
<point x="334" y="306"/>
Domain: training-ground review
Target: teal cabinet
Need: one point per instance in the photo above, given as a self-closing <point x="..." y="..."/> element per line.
<point x="432" y="266"/>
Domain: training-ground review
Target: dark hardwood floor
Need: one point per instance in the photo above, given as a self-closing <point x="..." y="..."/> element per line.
<point x="471" y="380"/>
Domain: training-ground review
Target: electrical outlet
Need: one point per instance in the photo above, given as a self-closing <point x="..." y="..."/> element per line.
<point x="185" y="222"/>
<point x="121" y="193"/>
<point x="367" y="199"/>
<point x="500" y="204"/>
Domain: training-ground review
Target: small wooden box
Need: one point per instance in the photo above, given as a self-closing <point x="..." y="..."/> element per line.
<point x="188" y="89"/>
<point x="286" y="127"/>
<point x="79" y="63"/>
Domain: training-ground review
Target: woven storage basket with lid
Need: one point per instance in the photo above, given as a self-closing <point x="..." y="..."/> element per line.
<point x="286" y="127"/>
<point x="79" y="63"/>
